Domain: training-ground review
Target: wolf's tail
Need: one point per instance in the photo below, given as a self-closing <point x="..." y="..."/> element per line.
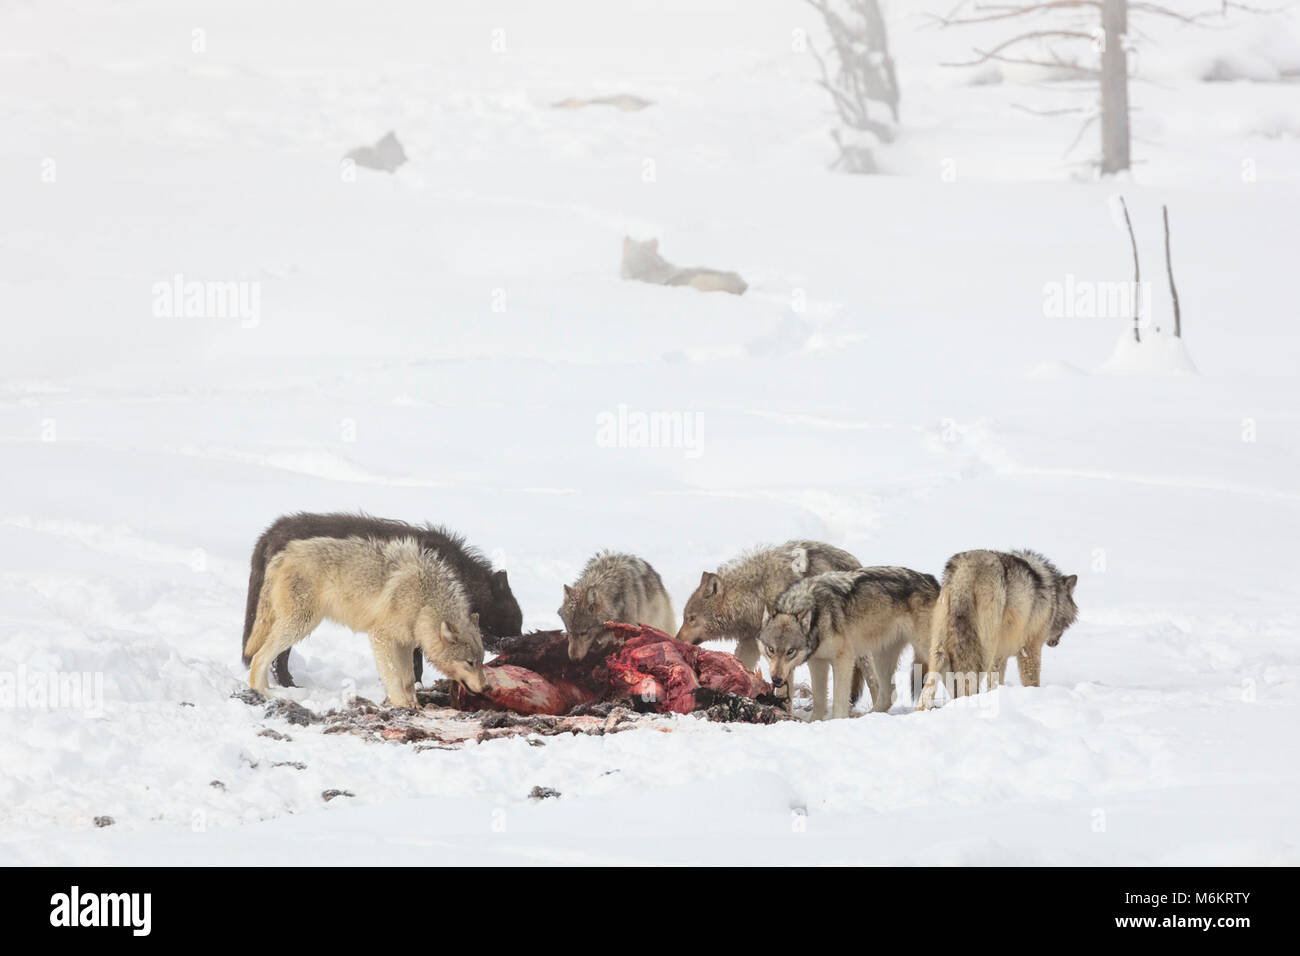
<point x="258" y="629"/>
<point x="969" y="617"/>
<point x="859" y="680"/>
<point x="256" y="576"/>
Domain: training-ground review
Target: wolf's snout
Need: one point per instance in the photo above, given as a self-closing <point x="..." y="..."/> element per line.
<point x="475" y="681"/>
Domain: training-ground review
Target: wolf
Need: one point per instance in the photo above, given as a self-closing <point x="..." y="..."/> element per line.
<point x="397" y="592"/>
<point x="841" y="617"/>
<point x="387" y="154"/>
<point x="995" y="605"/>
<point x="613" y="587"/>
<point x="731" y="602"/>
<point x="641" y="261"/>
<point x="488" y="591"/>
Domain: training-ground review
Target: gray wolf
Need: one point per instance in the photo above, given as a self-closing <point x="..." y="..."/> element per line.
<point x="841" y="617"/>
<point x="641" y="261"/>
<point x="613" y="587"/>
<point x="995" y="605"/>
<point x="731" y="603"/>
<point x="387" y="154"/>
<point x="488" y="591"/>
<point x="401" y="595"/>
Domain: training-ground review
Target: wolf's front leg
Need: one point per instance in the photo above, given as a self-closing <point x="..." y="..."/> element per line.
<point x="842" y="686"/>
<point x="1028" y="662"/>
<point x="747" y="651"/>
<point x="396" y="670"/>
<point x="818" y="671"/>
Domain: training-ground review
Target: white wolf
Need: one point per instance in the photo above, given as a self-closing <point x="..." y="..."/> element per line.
<point x="402" y="596"/>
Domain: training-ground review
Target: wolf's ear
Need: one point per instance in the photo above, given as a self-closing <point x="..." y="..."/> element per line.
<point x="803" y="617"/>
<point x="799" y="562"/>
<point x="568" y="593"/>
<point x="1070" y="580"/>
<point x="447" y="635"/>
<point x="591" y="599"/>
<point x="499" y="582"/>
<point x="473" y="618"/>
<point x="709" y="582"/>
<point x="767" y="616"/>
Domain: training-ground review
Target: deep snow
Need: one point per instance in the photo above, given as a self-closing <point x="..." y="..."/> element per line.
<point x="441" y="343"/>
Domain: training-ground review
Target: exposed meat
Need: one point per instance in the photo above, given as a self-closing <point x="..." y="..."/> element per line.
<point x="533" y="675"/>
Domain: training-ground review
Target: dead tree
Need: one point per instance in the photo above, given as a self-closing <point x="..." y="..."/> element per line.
<point x="1115" y="153"/>
<point x="1056" y="35"/>
<point x="1137" y="275"/>
<point x="857" y="70"/>
<point x="1173" y="290"/>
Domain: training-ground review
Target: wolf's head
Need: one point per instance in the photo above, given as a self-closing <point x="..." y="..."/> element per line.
<point x="1066" y="609"/>
<point x="502" y="616"/>
<point x="703" y="612"/>
<point x="788" y="639"/>
<point x="584" y="613"/>
<point x="459" y="653"/>
<point x="640" y="257"/>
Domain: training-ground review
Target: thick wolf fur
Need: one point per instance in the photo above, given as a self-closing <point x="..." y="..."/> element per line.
<point x="842" y="617"/>
<point x="401" y="595"/>
<point x="730" y="604"/>
<point x="488" y="591"/>
<point x="613" y="587"/>
<point x="641" y="261"/>
<point x="995" y="605"/>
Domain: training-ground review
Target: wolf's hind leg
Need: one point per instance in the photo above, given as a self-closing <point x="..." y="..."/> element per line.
<point x="997" y="673"/>
<point x="818" y="671"/>
<point x="938" y="667"/>
<point x="286" y="631"/>
<point x="884" y="662"/>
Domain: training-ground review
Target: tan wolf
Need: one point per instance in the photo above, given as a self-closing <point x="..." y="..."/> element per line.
<point x="401" y="595"/>
<point x="995" y="605"/>
<point x="613" y="587"/>
<point x="641" y="261"/>
<point x="842" y="617"/>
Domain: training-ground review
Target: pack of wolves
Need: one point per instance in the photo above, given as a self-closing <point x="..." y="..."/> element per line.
<point x="422" y="592"/>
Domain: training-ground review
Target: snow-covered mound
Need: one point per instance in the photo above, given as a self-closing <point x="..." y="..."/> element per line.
<point x="1153" y="353"/>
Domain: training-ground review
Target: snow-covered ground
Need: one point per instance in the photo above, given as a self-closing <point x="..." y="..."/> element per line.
<point x="441" y="344"/>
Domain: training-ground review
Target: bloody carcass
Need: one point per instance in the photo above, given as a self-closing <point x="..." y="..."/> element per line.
<point x="533" y="675"/>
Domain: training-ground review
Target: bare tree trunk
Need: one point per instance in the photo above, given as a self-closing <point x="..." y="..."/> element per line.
<point x="1173" y="291"/>
<point x="1114" y="88"/>
<point x="1137" y="275"/>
